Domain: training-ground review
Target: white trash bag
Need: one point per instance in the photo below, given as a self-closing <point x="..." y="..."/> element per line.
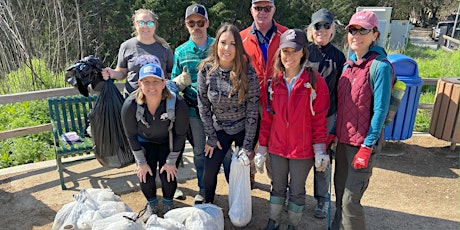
<point x="239" y="194"/>
<point x="158" y="223"/>
<point x="120" y="221"/>
<point x="71" y="212"/>
<point x="200" y="216"/>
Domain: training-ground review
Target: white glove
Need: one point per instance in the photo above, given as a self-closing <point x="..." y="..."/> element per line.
<point x="183" y="80"/>
<point x="259" y="159"/>
<point x="321" y="157"/>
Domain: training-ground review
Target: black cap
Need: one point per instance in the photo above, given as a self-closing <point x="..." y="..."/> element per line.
<point x="196" y="9"/>
<point x="293" y="38"/>
<point x="322" y="15"/>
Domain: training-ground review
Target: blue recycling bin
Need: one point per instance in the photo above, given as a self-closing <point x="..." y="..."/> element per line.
<point x="406" y="70"/>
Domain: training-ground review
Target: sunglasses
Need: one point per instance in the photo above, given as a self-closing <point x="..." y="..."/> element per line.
<point x="266" y="9"/>
<point x="149" y="24"/>
<point x="199" y="23"/>
<point x="362" y="31"/>
<point x="318" y="26"/>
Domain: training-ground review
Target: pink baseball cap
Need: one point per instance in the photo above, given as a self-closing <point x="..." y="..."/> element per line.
<point x="365" y="19"/>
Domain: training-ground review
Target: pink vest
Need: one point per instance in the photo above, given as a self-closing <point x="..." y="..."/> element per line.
<point x="354" y="105"/>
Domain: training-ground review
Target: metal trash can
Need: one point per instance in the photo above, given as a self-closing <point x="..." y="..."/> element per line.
<point x="445" y="117"/>
<point x="406" y="70"/>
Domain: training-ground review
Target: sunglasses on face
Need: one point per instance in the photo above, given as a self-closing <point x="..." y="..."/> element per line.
<point x="266" y="9"/>
<point x="199" y="23"/>
<point x="149" y="24"/>
<point x="318" y="26"/>
<point x="361" y="31"/>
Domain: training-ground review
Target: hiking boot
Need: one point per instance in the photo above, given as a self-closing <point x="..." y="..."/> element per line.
<point x="272" y="225"/>
<point x="199" y="199"/>
<point x="321" y="210"/>
<point x="151" y="209"/>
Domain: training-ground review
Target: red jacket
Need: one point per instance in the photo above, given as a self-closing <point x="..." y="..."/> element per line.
<point x="291" y="129"/>
<point x="251" y="46"/>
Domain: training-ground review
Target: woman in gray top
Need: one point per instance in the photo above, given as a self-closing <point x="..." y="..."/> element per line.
<point x="228" y="101"/>
<point x="145" y="47"/>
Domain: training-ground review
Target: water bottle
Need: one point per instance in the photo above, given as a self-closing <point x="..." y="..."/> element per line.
<point x="397" y="93"/>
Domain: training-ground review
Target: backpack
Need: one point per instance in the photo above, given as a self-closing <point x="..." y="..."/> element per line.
<point x="171" y="111"/>
<point x="311" y="84"/>
<point x="397" y="93"/>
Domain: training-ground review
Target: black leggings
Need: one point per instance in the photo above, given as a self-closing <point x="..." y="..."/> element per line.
<point x="212" y="165"/>
<point x="156" y="155"/>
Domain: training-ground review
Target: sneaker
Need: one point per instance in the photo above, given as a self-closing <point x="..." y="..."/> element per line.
<point x="199" y="199"/>
<point x="321" y="210"/>
<point x="150" y="210"/>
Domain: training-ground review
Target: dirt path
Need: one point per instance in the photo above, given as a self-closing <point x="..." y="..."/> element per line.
<point x="417" y="188"/>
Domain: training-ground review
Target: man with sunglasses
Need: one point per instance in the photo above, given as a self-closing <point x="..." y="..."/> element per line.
<point x="328" y="60"/>
<point x="184" y="73"/>
<point x="261" y="41"/>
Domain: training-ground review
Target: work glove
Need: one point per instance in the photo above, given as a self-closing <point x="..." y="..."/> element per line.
<point x="183" y="80"/>
<point x="242" y="154"/>
<point x="321" y="157"/>
<point x="361" y="159"/>
<point x="259" y="159"/>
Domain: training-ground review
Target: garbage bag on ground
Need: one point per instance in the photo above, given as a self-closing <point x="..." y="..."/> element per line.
<point x="120" y="221"/>
<point x="158" y="223"/>
<point x="71" y="212"/>
<point x="239" y="194"/>
<point x="111" y="149"/>
<point x="90" y="205"/>
<point x="200" y="216"/>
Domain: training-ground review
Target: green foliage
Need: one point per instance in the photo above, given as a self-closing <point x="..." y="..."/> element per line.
<point x="30" y="77"/>
<point x="23" y="150"/>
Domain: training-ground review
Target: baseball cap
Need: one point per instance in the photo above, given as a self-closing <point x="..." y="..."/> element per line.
<point x="293" y="38"/>
<point x="196" y="9"/>
<point x="151" y="70"/>
<point x="254" y="1"/>
<point x="365" y="19"/>
<point x="322" y="15"/>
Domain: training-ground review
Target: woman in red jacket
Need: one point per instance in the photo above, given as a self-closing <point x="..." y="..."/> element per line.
<point x="293" y="127"/>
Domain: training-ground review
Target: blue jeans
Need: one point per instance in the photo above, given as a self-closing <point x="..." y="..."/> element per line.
<point x="199" y="140"/>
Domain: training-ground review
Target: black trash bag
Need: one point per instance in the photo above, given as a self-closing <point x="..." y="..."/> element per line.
<point x="112" y="149"/>
<point x="85" y="72"/>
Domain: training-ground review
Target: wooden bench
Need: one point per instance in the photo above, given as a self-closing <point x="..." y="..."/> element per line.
<point x="70" y="114"/>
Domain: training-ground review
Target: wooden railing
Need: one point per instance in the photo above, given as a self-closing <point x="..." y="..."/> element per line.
<point x="43" y="94"/>
<point x="447" y="43"/>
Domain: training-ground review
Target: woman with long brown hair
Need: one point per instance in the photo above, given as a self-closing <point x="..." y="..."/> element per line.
<point x="228" y="101"/>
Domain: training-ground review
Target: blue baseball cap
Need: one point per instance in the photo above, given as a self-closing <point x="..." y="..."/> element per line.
<point x="151" y="70"/>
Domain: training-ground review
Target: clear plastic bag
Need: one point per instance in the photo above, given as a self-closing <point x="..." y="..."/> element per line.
<point x="120" y="221"/>
<point x="239" y="194"/>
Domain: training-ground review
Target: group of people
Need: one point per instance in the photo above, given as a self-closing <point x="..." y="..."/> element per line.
<point x="267" y="90"/>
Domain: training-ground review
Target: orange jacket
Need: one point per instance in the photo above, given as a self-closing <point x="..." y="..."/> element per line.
<point x="264" y="70"/>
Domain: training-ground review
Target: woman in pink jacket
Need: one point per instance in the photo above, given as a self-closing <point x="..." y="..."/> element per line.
<point x="293" y="127"/>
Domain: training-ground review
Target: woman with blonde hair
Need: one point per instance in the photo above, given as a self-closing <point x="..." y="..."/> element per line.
<point x="228" y="101"/>
<point x="146" y="123"/>
<point x="140" y="50"/>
